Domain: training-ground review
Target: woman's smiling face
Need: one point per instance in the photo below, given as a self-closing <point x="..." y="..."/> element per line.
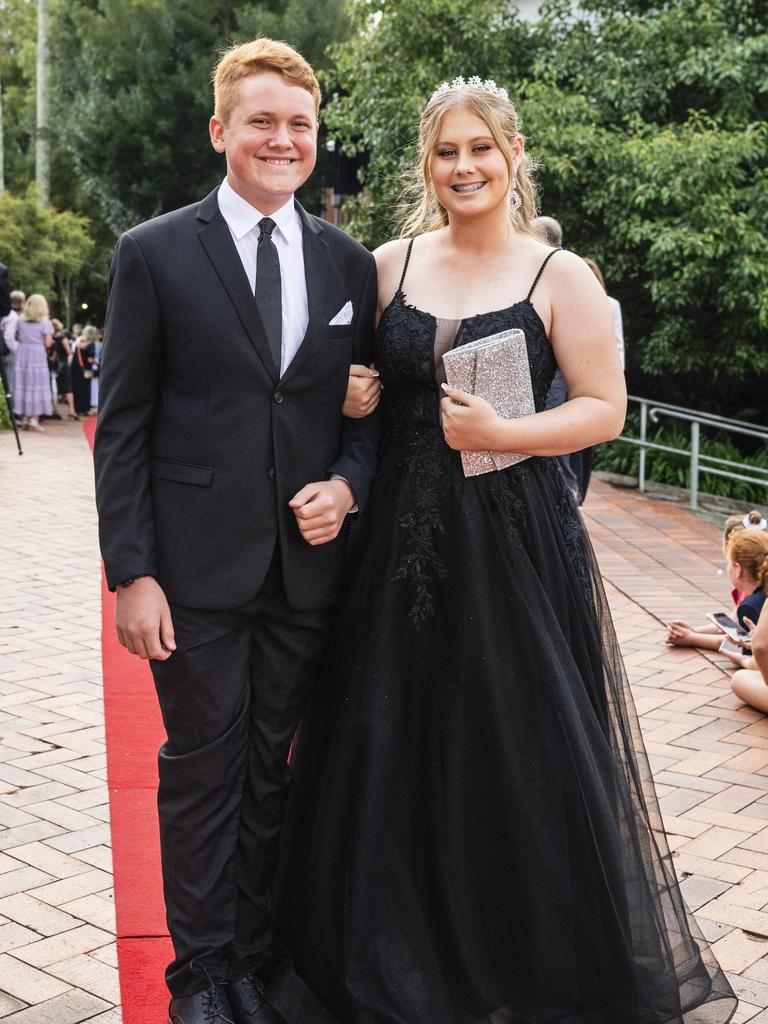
<point x="468" y="169"/>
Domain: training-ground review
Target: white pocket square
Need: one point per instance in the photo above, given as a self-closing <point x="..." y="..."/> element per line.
<point x="344" y="316"/>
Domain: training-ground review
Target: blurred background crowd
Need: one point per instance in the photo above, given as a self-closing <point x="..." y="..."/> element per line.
<point x="49" y="371"/>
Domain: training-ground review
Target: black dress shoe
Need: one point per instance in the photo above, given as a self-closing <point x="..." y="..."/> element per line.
<point x="208" y="1007"/>
<point x="246" y="997"/>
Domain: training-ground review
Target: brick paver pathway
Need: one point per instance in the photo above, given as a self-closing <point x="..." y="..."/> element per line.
<point x="58" y="962"/>
<point x="57" y="953"/>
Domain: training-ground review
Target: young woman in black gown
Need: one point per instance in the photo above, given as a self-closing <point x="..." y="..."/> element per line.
<point x="473" y="834"/>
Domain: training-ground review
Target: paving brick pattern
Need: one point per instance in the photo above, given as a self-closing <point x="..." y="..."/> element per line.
<point x="58" y="962"/>
<point x="57" y="954"/>
<point x="709" y="753"/>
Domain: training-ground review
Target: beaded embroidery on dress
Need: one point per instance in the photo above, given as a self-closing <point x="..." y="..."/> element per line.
<point x="473" y="835"/>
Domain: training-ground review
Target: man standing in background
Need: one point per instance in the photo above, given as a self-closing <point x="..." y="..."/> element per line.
<point x="8" y="343"/>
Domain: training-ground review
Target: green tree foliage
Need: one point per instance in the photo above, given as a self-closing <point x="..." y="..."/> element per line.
<point x="48" y="247"/>
<point x="18" y="37"/>
<point x="134" y="82"/>
<point x="649" y="123"/>
<point x="131" y="97"/>
<point x="309" y="26"/>
<point x="399" y="53"/>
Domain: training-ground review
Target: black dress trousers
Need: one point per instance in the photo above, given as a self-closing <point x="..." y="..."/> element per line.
<point x="231" y="696"/>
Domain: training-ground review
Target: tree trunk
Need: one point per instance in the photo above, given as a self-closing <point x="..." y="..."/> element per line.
<point x="42" y="152"/>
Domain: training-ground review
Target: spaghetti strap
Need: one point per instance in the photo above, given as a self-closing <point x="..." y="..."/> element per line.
<point x="405" y="265"/>
<point x="547" y="258"/>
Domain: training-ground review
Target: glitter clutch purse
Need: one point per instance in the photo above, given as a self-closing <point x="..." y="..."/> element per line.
<point x="494" y="368"/>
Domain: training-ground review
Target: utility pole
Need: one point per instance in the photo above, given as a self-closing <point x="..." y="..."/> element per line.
<point x="42" y="149"/>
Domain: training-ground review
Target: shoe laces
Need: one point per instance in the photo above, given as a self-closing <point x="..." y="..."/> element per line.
<point x="252" y="984"/>
<point x="213" y="1009"/>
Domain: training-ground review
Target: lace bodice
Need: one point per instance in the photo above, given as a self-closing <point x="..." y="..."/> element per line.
<point x="410" y="361"/>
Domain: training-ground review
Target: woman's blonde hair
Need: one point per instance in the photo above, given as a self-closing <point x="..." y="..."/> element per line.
<point x="35" y="308"/>
<point x="749" y="548"/>
<point x="239" y="62"/>
<point x="419" y="209"/>
<point x="90" y="334"/>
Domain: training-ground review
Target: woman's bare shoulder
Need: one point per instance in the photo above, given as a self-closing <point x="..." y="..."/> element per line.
<point x="391" y="254"/>
<point x="390" y="260"/>
<point x="567" y="266"/>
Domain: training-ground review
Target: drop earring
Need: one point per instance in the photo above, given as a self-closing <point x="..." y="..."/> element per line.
<point x="514" y="197"/>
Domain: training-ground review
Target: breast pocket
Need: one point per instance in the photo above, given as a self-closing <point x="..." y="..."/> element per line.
<point x="181" y="472"/>
<point x="339" y="332"/>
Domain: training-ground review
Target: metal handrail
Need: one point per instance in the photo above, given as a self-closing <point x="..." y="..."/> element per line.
<point x="699" y="463"/>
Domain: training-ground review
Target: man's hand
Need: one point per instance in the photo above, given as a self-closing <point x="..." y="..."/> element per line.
<point x="363" y="391"/>
<point x="320" y="509"/>
<point x="143" y="620"/>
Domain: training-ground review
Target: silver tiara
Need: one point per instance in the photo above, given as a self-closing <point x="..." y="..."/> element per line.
<point x="475" y="82"/>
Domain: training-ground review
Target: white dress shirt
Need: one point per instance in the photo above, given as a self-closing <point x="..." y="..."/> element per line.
<point x="618" y="327"/>
<point x="243" y="222"/>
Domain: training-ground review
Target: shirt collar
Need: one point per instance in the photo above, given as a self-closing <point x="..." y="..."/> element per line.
<point x="242" y="217"/>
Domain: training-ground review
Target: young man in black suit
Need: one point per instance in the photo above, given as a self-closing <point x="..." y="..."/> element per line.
<point x="225" y="474"/>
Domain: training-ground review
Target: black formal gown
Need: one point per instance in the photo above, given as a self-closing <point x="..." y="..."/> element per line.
<point x="473" y="833"/>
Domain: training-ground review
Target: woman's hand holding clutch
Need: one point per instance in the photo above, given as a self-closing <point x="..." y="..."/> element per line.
<point x="470" y="424"/>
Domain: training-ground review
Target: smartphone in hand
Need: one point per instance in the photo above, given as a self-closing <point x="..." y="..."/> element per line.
<point x="735" y="633"/>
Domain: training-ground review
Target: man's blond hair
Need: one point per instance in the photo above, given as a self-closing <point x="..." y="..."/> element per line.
<point x="238" y="62"/>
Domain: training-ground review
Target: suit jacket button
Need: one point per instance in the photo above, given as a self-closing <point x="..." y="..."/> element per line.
<point x="272" y="473"/>
<point x="277" y="398"/>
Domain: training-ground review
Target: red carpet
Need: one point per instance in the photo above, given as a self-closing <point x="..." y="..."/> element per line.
<point x="134" y="734"/>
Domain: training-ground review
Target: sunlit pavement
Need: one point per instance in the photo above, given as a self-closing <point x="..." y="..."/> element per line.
<point x="57" y="955"/>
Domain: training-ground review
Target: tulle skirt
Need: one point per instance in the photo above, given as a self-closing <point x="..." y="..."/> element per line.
<point x="473" y="833"/>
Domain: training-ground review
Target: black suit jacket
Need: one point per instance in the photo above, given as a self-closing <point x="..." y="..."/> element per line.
<point x="199" y="448"/>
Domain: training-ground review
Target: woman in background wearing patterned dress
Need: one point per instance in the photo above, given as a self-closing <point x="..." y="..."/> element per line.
<point x="473" y="835"/>
<point x="32" y="385"/>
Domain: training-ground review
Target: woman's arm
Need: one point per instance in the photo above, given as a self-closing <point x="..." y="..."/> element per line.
<point x="582" y="338"/>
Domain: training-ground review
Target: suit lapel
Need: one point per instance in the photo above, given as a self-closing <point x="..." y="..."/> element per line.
<point x="217" y="241"/>
<point x="316" y="269"/>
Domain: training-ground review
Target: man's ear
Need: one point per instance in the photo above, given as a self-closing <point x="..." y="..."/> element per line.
<point x="216" y="129"/>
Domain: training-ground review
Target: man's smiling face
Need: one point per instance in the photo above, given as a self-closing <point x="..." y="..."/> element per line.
<point x="270" y="139"/>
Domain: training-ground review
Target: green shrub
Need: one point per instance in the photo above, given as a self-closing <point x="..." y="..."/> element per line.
<point x="669" y="468"/>
<point x="5" y="419"/>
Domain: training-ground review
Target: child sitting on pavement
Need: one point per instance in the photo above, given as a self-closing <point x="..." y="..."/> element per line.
<point x="745" y="541"/>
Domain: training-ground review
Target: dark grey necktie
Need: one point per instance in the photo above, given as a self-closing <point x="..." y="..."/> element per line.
<point x="268" y="290"/>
